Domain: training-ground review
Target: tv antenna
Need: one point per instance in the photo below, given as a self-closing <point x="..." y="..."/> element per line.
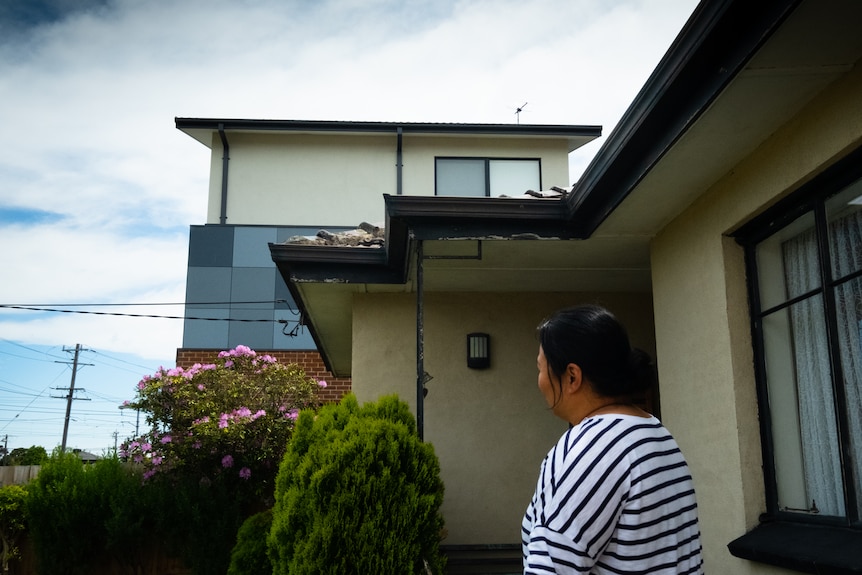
<point x="519" y="110"/>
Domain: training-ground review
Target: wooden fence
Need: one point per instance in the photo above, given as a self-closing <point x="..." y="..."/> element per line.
<point x="18" y="474"/>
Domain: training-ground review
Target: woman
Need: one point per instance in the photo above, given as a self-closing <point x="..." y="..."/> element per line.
<point x="614" y="494"/>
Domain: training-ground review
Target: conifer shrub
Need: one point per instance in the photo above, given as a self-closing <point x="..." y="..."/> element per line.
<point x="249" y="555"/>
<point x="357" y="492"/>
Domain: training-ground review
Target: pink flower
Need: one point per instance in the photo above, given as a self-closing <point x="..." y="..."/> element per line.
<point x="146" y="447"/>
<point x="245" y="350"/>
<point x="165" y="439"/>
<point x="321" y="383"/>
<point x="292" y="414"/>
<point x="228" y="363"/>
<point x="201" y="387"/>
<point x="245" y="472"/>
<point x="227" y="461"/>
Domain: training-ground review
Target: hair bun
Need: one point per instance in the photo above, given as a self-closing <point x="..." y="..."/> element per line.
<point x="642" y="373"/>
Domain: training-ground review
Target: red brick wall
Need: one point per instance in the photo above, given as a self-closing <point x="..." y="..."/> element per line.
<point x="310" y="361"/>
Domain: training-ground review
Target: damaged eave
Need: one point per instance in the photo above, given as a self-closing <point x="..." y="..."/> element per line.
<point x="334" y="264"/>
<point x="437" y="218"/>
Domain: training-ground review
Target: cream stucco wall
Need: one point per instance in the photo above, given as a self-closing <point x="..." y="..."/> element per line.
<point x="303" y="179"/>
<point x="419" y="153"/>
<point x="339" y="179"/>
<point x="702" y="323"/>
<point x="490" y="428"/>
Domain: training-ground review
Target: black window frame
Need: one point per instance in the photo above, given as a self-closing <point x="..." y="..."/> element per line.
<point x="487" y="160"/>
<point x="798" y="541"/>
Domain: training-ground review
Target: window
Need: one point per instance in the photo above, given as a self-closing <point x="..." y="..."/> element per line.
<point x="804" y="260"/>
<point x="478" y="177"/>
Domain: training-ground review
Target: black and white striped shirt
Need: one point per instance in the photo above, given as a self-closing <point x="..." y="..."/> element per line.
<point x="614" y="496"/>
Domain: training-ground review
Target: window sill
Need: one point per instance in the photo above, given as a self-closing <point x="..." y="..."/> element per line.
<point x="804" y="548"/>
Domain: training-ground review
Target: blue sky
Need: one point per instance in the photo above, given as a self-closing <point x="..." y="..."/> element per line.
<point x="98" y="188"/>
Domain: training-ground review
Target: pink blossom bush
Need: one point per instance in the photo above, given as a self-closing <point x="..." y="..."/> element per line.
<point x="231" y="418"/>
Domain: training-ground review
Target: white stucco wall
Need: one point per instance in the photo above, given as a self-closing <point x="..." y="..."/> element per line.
<point x="702" y="322"/>
<point x="490" y="428"/>
<point x="340" y="179"/>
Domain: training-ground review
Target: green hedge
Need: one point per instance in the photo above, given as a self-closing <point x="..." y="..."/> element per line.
<point x="357" y="492"/>
<point x="80" y="515"/>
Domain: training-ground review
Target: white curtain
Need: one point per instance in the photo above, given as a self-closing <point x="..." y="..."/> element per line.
<point x="846" y="247"/>
<point x="819" y="429"/>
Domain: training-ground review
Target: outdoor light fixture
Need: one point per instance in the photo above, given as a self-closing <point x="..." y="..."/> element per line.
<point x="478" y="350"/>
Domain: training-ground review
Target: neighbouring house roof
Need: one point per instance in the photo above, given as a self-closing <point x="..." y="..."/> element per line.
<point x="737" y="71"/>
<point x="202" y="129"/>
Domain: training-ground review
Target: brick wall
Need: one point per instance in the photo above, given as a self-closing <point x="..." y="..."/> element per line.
<point x="310" y="361"/>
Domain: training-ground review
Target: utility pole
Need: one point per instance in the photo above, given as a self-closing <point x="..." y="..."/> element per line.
<point x="71" y="393"/>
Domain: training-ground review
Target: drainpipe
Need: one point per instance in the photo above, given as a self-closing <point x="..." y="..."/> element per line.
<point x="398" y="185"/>
<point x="420" y="345"/>
<point x="225" y="159"/>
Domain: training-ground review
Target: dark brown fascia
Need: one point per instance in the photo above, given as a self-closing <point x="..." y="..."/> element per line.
<point x="576" y="134"/>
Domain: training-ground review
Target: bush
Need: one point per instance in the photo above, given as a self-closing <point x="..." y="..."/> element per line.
<point x="249" y="555"/>
<point x="12" y="522"/>
<point x="77" y="512"/>
<point x="199" y="519"/>
<point x="357" y="492"/>
<point x="231" y="418"/>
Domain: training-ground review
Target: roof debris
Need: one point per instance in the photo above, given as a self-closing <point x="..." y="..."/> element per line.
<point x="365" y="235"/>
<point x="371" y="236"/>
<point x="553" y="193"/>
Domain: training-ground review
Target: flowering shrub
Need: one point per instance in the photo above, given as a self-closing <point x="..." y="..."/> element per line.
<point x="231" y="418"/>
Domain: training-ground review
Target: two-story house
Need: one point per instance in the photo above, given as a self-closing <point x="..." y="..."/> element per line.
<point x="271" y="181"/>
<point x="721" y="222"/>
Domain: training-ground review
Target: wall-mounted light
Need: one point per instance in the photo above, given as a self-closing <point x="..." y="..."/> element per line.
<point x="478" y="350"/>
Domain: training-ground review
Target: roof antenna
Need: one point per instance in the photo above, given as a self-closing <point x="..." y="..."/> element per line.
<point x="519" y="110"/>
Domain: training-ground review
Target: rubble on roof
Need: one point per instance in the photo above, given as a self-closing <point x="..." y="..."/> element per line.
<point x="553" y="192"/>
<point x="370" y="236"/>
<point x="365" y="235"/>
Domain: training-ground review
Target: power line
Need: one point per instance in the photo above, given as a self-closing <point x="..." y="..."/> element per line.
<point x="55" y="310"/>
<point x="40" y="305"/>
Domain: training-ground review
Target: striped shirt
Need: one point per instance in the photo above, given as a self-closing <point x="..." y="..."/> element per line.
<point x="614" y="496"/>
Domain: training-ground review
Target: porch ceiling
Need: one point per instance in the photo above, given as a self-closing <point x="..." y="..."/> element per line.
<point x="686" y="130"/>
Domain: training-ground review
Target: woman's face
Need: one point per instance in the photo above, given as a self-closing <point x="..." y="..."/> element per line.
<point x="547" y="385"/>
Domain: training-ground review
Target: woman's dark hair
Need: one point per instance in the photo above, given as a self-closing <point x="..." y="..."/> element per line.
<point x="592" y="338"/>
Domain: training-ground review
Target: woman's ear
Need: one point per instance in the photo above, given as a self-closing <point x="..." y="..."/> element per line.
<point x="574" y="377"/>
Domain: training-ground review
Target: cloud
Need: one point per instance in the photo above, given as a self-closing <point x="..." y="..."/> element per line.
<point x="98" y="188"/>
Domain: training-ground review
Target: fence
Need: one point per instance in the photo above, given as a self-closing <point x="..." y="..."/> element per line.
<point x="18" y="474"/>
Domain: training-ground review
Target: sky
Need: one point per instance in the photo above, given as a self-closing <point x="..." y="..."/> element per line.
<point x="98" y="188"/>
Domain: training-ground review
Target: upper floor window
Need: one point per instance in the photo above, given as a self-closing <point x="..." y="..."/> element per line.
<point x="804" y="262"/>
<point x="490" y="177"/>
